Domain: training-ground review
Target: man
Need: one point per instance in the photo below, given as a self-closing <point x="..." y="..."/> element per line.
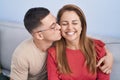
<point x="28" y="61"/>
<point x="29" y="58"/>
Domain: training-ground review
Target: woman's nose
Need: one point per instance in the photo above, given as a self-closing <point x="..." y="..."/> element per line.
<point x="69" y="26"/>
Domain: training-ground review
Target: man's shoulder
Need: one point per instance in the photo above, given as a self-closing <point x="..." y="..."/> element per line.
<point x="25" y="44"/>
<point x="24" y="47"/>
<point x="22" y="52"/>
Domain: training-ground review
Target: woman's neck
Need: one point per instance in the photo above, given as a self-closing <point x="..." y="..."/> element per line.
<point x="73" y="45"/>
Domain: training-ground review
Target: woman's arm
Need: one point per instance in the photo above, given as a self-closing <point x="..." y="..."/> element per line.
<point x="108" y="62"/>
<point x="102" y="76"/>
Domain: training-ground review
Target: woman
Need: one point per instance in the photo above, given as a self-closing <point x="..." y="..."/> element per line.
<point x="75" y="56"/>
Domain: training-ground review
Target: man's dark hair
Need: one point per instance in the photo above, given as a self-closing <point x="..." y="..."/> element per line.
<point x="33" y="17"/>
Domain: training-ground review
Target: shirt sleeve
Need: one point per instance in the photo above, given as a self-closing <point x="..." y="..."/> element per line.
<point x="101" y="52"/>
<point x="52" y="65"/>
<point x="19" y="68"/>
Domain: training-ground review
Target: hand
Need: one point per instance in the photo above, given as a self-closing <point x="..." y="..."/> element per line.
<point x="107" y="63"/>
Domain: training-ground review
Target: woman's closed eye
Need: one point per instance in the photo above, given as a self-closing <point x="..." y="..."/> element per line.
<point x="64" y="24"/>
<point x="75" y="23"/>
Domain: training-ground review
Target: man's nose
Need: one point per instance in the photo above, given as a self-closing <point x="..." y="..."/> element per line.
<point x="58" y="26"/>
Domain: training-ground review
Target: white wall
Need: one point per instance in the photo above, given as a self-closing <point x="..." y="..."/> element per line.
<point x="103" y="16"/>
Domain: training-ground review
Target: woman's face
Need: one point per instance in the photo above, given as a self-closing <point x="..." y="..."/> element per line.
<point x="70" y="26"/>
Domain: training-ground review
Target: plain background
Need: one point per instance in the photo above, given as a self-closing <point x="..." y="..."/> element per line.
<point x="103" y="16"/>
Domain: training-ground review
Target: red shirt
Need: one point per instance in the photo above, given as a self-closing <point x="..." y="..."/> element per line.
<point x="76" y="61"/>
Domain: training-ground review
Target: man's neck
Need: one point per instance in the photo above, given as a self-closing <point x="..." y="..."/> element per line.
<point x="42" y="45"/>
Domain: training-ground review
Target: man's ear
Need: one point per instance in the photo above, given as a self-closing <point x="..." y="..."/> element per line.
<point x="39" y="36"/>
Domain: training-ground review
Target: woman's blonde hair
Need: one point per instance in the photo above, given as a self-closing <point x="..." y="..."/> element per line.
<point x="86" y="44"/>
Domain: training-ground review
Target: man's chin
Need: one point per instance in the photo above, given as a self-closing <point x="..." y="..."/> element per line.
<point x="58" y="39"/>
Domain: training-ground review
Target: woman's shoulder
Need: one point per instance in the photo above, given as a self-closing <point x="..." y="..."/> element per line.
<point x="51" y="49"/>
<point x="100" y="48"/>
<point x="99" y="43"/>
<point x="52" y="52"/>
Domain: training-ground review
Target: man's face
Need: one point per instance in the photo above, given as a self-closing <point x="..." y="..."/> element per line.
<point x="50" y="29"/>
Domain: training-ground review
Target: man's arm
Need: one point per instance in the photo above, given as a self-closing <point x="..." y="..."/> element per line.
<point x="19" y="68"/>
<point x="108" y="62"/>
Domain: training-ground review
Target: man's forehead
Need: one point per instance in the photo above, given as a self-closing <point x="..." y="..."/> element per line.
<point x="49" y="17"/>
